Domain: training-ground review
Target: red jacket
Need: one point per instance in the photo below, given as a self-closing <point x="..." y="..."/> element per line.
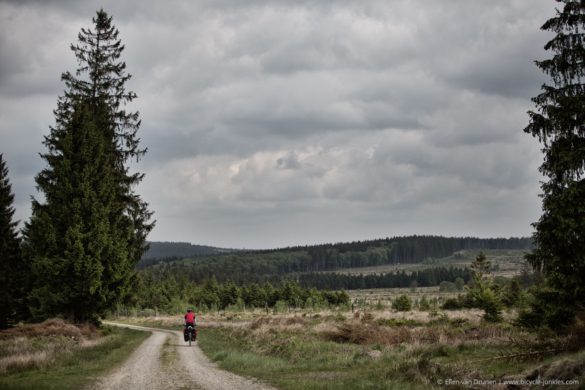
<point x="190" y="318"/>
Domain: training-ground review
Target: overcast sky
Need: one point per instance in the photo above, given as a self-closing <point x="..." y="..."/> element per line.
<point x="274" y="123"/>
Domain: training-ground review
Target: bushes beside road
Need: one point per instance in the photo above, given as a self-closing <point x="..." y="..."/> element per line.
<point x="59" y="355"/>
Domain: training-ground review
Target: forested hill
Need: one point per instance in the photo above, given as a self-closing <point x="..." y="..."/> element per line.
<point x="407" y="249"/>
<point x="261" y="265"/>
<point x="177" y="250"/>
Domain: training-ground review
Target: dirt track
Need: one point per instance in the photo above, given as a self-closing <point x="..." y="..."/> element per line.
<point x="144" y="369"/>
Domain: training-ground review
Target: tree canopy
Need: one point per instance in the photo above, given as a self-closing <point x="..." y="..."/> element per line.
<point x="559" y="124"/>
<point x="86" y="237"/>
<point x="11" y="266"/>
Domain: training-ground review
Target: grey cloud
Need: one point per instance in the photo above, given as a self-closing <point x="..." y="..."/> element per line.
<point x="289" y="161"/>
<point x="505" y="69"/>
<point x="491" y="47"/>
<point x="518" y="79"/>
<point x="25" y="71"/>
<point x="278" y="122"/>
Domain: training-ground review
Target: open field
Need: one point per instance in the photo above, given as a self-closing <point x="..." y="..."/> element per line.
<point x="383" y="349"/>
<point x="58" y="355"/>
<point x="375" y="294"/>
<point x="375" y="302"/>
<point x="507" y="263"/>
<point x="244" y="319"/>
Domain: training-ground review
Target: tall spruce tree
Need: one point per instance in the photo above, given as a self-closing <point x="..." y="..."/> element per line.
<point x="559" y="124"/>
<point x="11" y="265"/>
<point x="85" y="239"/>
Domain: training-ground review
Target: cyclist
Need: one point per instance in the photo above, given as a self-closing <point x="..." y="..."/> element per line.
<point x="189" y="321"/>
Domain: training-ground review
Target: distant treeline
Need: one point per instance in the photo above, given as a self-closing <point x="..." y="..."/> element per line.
<point x="167" y="292"/>
<point x="326" y="280"/>
<point x="423" y="278"/>
<point x="406" y="249"/>
<point x="169" y="251"/>
<point x="260" y="266"/>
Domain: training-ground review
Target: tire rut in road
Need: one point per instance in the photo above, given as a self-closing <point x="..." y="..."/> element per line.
<point x="144" y="369"/>
<point x="207" y="375"/>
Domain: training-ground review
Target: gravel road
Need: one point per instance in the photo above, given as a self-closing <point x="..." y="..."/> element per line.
<point x="144" y="369"/>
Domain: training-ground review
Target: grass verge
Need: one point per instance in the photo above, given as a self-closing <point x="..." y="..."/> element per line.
<point x="76" y="366"/>
<point x="309" y="354"/>
<point x="295" y="362"/>
<point x="378" y="351"/>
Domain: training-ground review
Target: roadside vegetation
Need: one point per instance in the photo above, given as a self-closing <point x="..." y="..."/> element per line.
<point x="58" y="355"/>
<point x="394" y="338"/>
<point x="382" y="348"/>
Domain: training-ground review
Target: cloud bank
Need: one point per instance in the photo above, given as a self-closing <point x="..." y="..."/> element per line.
<point x="274" y="123"/>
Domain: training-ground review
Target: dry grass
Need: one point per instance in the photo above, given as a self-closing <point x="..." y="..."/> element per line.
<point x="566" y="368"/>
<point x="51" y="327"/>
<point x="415" y="347"/>
<point x="160" y="321"/>
<point x="321" y="322"/>
<point x="473" y="316"/>
<point x="248" y="317"/>
<point x="38" y="345"/>
<point x="388" y="328"/>
<point x="176" y="322"/>
<point x="21" y="360"/>
<point x="290" y="324"/>
<point x="360" y="333"/>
